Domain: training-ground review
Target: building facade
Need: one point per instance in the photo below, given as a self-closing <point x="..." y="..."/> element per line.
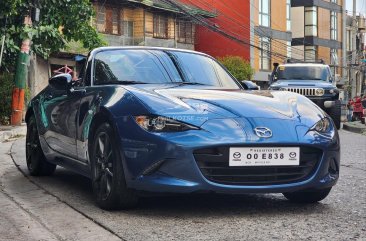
<point x="317" y="32"/>
<point x="271" y="35"/>
<point x="146" y="23"/>
<point x="233" y="18"/>
<point x="356" y="55"/>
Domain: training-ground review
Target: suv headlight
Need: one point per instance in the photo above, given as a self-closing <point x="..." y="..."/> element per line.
<point x="162" y="124"/>
<point x="322" y="126"/>
<point x="319" y="92"/>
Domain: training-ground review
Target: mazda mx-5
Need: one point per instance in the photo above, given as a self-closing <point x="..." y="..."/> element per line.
<point x="155" y="120"/>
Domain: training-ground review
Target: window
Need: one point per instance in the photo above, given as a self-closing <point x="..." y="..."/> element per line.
<point x="288" y="44"/>
<point x="264" y="13"/>
<point x="334" y="57"/>
<point x="116" y="66"/>
<point x="160" y="26"/>
<point x="107" y="20"/>
<point x="333" y="1"/>
<point x="100" y="18"/>
<point x="128" y="28"/>
<point x="115" y="17"/>
<point x="310" y="53"/>
<point x="333" y="60"/>
<point x="185" y="32"/>
<point x="311" y="21"/>
<point x="303" y="73"/>
<point x="288" y="15"/>
<point x="333" y="25"/>
<point x="265" y="53"/>
<point x="349" y="43"/>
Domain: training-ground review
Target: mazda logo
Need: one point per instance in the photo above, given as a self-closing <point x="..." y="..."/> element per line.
<point x="263" y="132"/>
<point x="292" y="154"/>
<point x="236" y="155"/>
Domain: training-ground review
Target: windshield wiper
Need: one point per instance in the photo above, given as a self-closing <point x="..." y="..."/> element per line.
<point x="190" y="83"/>
<point x="124" y="82"/>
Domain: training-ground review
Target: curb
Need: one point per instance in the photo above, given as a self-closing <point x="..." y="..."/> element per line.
<point x="356" y="129"/>
<point x="12" y="131"/>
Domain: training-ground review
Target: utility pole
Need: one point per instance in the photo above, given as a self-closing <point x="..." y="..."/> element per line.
<point x="354" y="51"/>
<point x="17" y="104"/>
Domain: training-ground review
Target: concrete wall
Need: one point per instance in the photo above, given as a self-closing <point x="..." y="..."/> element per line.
<point x="38" y="75"/>
<point x="297" y="22"/>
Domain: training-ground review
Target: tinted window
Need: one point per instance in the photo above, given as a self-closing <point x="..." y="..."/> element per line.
<point x="303" y="73"/>
<point x="157" y="66"/>
<point x="113" y="66"/>
<point x="201" y="69"/>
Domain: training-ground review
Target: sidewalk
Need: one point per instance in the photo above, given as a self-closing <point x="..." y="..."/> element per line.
<point x="7" y="132"/>
<point x="28" y="212"/>
<point x="355" y="126"/>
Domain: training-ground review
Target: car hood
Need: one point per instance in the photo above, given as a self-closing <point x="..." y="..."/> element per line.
<point x="196" y="104"/>
<point x="302" y="83"/>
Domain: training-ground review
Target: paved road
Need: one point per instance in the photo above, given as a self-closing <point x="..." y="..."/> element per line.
<point x="341" y="216"/>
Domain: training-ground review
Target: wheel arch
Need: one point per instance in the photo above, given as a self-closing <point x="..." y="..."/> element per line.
<point x="29" y="113"/>
<point x="103" y="115"/>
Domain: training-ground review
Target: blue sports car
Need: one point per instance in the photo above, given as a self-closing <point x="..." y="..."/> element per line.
<point x="160" y="120"/>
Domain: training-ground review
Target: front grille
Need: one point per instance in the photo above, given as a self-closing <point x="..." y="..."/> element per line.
<point x="302" y="91"/>
<point x="214" y="165"/>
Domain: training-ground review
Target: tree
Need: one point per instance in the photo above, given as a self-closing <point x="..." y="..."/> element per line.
<point x="61" y="21"/>
<point x="238" y="67"/>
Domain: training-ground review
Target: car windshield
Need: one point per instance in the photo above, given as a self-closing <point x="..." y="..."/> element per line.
<point x="131" y="66"/>
<point x="302" y="73"/>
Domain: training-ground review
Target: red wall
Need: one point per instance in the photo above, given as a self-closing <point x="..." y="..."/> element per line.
<point x="233" y="17"/>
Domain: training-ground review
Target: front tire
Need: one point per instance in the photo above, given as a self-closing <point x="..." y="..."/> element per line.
<point x="335" y="113"/>
<point x="307" y="196"/>
<point x="36" y="161"/>
<point x="108" y="179"/>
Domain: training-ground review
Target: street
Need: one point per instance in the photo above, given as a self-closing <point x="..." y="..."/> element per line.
<point x="61" y="207"/>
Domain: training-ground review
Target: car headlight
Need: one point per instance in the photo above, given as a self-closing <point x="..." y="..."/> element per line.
<point x="322" y="126"/>
<point x="319" y="92"/>
<point x="283" y="89"/>
<point x="162" y="124"/>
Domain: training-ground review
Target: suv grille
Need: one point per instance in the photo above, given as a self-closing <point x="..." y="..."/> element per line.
<point x="302" y="91"/>
<point x="214" y="165"/>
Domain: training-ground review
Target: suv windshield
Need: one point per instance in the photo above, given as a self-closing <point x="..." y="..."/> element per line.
<point x="302" y="73"/>
<point x="133" y="66"/>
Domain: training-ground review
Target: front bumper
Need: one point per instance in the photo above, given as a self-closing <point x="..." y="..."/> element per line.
<point x="165" y="163"/>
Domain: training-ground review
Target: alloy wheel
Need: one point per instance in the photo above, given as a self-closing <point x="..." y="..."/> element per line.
<point x="103" y="170"/>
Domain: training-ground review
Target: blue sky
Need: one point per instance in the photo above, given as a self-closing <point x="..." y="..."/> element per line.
<point x="361" y="6"/>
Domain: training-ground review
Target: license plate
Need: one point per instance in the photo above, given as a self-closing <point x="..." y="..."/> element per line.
<point x="264" y="156"/>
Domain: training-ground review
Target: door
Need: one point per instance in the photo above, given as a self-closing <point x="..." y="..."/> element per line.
<point x="61" y="108"/>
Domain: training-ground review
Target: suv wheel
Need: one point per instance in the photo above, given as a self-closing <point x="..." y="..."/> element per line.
<point x="307" y="196"/>
<point x="335" y="113"/>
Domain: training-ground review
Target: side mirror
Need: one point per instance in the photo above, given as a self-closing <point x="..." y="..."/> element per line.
<point x="249" y="85"/>
<point x="61" y="82"/>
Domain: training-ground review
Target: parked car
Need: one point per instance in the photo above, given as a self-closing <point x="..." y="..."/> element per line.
<point x="313" y="80"/>
<point x="174" y="121"/>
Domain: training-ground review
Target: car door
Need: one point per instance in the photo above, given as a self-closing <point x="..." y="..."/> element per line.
<point x="61" y="108"/>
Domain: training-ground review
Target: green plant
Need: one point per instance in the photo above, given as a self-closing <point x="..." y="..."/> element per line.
<point x="60" y="22"/>
<point x="238" y="67"/>
<point x="6" y="87"/>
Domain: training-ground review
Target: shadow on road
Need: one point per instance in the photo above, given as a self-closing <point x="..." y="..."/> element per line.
<point x="71" y="188"/>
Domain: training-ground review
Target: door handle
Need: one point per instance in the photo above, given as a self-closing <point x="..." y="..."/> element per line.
<point x="81" y="91"/>
<point x="48" y="97"/>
